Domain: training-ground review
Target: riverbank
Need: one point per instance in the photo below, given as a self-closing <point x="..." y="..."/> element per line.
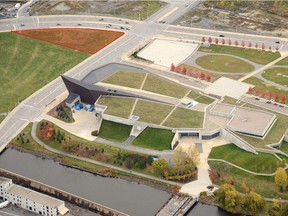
<point x="114" y="174"/>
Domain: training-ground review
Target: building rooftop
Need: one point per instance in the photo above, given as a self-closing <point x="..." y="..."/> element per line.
<point x="4" y="180"/>
<point x="34" y="196"/>
<point x="250" y="121"/>
<point x="225" y="109"/>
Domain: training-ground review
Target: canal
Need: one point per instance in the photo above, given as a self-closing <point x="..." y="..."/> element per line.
<point x="128" y="197"/>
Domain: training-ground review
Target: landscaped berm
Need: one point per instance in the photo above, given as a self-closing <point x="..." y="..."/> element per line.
<point x="84" y="40"/>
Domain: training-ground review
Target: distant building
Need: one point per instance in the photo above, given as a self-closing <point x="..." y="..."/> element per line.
<point x="31" y="200"/>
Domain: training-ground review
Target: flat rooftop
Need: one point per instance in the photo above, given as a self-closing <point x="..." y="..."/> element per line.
<point x="34" y="196"/>
<point x="4" y="180"/>
<point x="228" y="87"/>
<point x="225" y="109"/>
<point x="250" y="121"/>
<point x="165" y="52"/>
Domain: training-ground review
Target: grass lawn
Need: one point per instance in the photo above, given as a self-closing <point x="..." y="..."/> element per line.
<point x="152" y="138"/>
<point x="232" y="101"/>
<point x="77" y="39"/>
<point x="262" y="184"/>
<point x="185" y="118"/>
<point x="263" y="86"/>
<point x="151" y="112"/>
<point x="193" y="94"/>
<point x="2" y="118"/>
<point x="165" y="87"/>
<point x="117" y="106"/>
<point x="126" y="78"/>
<point x="28" y="64"/>
<point x="204" y="99"/>
<point x="257" y="56"/>
<point x="277" y="74"/>
<point x="274" y="135"/>
<point x="223" y="63"/>
<point x="283" y="62"/>
<point x="261" y="163"/>
<point x="284" y="147"/>
<point x="114" y="131"/>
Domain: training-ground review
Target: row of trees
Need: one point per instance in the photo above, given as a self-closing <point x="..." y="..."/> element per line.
<point x="184" y="165"/>
<point x="191" y="72"/>
<point x="268" y="94"/>
<point x="236" y="43"/>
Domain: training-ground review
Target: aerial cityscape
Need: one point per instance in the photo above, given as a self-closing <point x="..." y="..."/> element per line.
<point x="143" y="108"/>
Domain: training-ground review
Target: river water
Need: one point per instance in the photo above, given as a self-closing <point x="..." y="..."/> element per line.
<point x="128" y="197"/>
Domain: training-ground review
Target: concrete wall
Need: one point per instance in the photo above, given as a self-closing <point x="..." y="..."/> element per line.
<point x="237" y="141"/>
<point x="60" y="194"/>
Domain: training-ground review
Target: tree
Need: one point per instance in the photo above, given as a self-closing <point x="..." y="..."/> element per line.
<point x="270" y="48"/>
<point x="227" y="197"/>
<point x="223" y="41"/>
<point x="283" y="99"/>
<point x="208" y="77"/>
<point x="280" y="177"/>
<point x="249" y="44"/>
<point x="264" y="93"/>
<point x="179" y="156"/>
<point x="250" y="90"/>
<point x="257" y="91"/>
<point x="256" y="45"/>
<point x="236" y="43"/>
<point x="276" y="96"/>
<point x="203" y="40"/>
<point x="216" y="40"/>
<point x="263" y="46"/>
<point x="172" y="67"/>
<point x="229" y="42"/>
<point x="253" y="203"/>
<point x="242" y="43"/>
<point x="160" y="165"/>
<point x="178" y="69"/>
<point x="210" y="40"/>
<point x="194" y="155"/>
<point x="284" y="209"/>
<point x="184" y="70"/>
<point x="202" y="75"/>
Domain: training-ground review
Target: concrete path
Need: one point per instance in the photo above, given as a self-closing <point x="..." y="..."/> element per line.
<point x="263" y="68"/>
<point x="195" y="187"/>
<point x="34" y="136"/>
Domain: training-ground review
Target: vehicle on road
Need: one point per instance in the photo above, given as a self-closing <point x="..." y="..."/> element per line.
<point x="4" y="204"/>
<point x="277" y="42"/>
<point x="221" y="35"/>
<point x="58" y="24"/>
<point x="101" y="19"/>
<point x="126" y="22"/>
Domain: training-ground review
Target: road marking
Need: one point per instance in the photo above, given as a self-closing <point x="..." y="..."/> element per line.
<point x="87" y="22"/>
<point x="8" y="130"/>
<point x="167" y="14"/>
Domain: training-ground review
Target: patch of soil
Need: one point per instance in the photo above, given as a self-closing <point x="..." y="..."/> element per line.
<point x="84" y="40"/>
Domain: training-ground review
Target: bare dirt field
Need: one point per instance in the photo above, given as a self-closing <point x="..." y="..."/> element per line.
<point x="85" y="40"/>
<point x="243" y="16"/>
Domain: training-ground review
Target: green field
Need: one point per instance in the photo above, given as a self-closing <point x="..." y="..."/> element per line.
<point x="262" y="184"/>
<point x="284" y="147"/>
<point x="114" y="131"/>
<point x="257" y="56"/>
<point x="204" y="99"/>
<point x="2" y="118"/>
<point x="165" y="87"/>
<point x="232" y="101"/>
<point x="151" y="112"/>
<point x="28" y="64"/>
<point x="261" y="163"/>
<point x="152" y="138"/>
<point x="185" y="118"/>
<point x="277" y="74"/>
<point x="283" y="62"/>
<point x="222" y="63"/>
<point x="117" y="106"/>
<point x="263" y="86"/>
<point x="126" y="78"/>
<point x="193" y="94"/>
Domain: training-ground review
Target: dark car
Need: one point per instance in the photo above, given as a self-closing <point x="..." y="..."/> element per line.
<point x="79" y="24"/>
<point x="268" y="102"/>
<point x="22" y="25"/>
<point x="101" y="19"/>
<point x="126" y="22"/>
<point x="58" y="24"/>
<point x="277" y="42"/>
<point x="122" y="27"/>
<point x="221" y="35"/>
<point x="257" y="98"/>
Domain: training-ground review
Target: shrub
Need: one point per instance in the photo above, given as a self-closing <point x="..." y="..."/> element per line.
<point x="95" y="133"/>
